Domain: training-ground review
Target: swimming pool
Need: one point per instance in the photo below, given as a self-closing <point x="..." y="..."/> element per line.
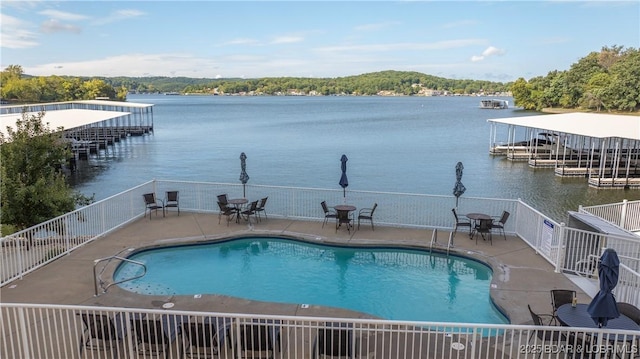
<point x="390" y="283"/>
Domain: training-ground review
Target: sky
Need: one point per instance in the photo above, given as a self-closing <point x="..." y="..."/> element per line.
<point x="480" y="40"/>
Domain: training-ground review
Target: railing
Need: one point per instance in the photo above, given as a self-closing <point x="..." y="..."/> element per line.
<point x="100" y="285"/>
<point x="59" y="331"/>
<point x="625" y="215"/>
<point x="563" y="247"/>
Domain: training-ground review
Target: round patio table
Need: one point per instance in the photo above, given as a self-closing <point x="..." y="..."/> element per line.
<point x="579" y="317"/>
<point x="238" y="202"/>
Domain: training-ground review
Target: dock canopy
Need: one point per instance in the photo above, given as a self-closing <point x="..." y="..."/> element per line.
<point x="604" y="148"/>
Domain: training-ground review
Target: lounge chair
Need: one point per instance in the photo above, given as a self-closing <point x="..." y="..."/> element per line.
<point x="460" y="223"/>
<point x="255" y="339"/>
<point x="171" y="200"/>
<point x="327" y="212"/>
<point x="261" y="208"/>
<point x="367" y="215"/>
<point x="153" y="336"/>
<point x="560" y="297"/>
<point x="152" y="203"/>
<point x="200" y="339"/>
<point x="500" y="223"/>
<point x="335" y="339"/>
<point x="226" y="211"/>
<point x="99" y="333"/>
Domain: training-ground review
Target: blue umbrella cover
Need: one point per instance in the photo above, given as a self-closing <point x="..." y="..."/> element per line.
<point x="458" y="188"/>
<point x="603" y="306"/>
<point x="344" y="182"/>
<point x="244" y="177"/>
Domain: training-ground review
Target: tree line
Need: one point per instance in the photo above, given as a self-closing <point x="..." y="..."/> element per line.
<point x="608" y="80"/>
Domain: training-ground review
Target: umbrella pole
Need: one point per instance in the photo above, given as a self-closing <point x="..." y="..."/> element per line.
<point x="244" y="191"/>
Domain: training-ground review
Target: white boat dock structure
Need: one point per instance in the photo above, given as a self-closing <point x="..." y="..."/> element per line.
<point x="90" y="125"/>
<point x="603" y="148"/>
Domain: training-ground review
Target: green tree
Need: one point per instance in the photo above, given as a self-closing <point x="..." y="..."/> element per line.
<point x="33" y="188"/>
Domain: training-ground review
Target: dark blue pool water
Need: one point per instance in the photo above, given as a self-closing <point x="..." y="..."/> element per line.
<point x="389" y="283"/>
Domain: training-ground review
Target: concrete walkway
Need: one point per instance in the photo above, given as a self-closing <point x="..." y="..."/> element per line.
<point x="520" y="277"/>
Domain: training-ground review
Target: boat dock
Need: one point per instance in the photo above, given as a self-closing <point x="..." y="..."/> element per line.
<point x="603" y="148"/>
<point x="88" y="126"/>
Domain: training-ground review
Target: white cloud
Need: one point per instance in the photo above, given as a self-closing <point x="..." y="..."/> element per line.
<point x="438" y="45"/>
<point x="16" y="34"/>
<point x="287" y="39"/>
<point x="62" y="15"/>
<point x="169" y="64"/>
<point x="51" y="26"/>
<point x="489" y="51"/>
<point x="119" y="16"/>
<point x="461" y="23"/>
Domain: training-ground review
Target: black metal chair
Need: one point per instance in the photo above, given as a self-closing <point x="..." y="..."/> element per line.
<point x="367" y="215"/>
<point x="545" y="335"/>
<point x="226" y="211"/>
<point x="630" y="311"/>
<point x="335" y="339"/>
<point x="343" y="217"/>
<point x="460" y="223"/>
<point x="171" y="201"/>
<point x="251" y="210"/>
<point x="152" y="203"/>
<point x="224" y="199"/>
<point x="327" y="212"/>
<point x="500" y="223"/>
<point x="484" y="227"/>
<point x="261" y="208"/>
<point x="560" y="297"/>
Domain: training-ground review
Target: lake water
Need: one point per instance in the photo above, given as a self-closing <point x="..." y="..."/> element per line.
<point x="394" y="144"/>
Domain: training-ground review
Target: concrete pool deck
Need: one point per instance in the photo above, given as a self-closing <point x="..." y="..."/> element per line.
<point x="520" y="276"/>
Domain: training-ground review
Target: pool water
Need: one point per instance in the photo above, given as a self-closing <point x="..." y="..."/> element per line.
<point x="389" y="283"/>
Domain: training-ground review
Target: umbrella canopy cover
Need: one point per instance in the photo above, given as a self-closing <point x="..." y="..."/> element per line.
<point x="244" y="177"/>
<point x="344" y="182"/>
<point x="603" y="306"/>
<point x="458" y="188"/>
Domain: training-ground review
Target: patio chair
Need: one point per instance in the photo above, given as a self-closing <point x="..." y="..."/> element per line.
<point x="460" y="223"/>
<point x="545" y="335"/>
<point x="343" y="217"/>
<point x="630" y="311"/>
<point x="261" y="206"/>
<point x="151" y="336"/>
<point x="367" y="215"/>
<point x="225" y="210"/>
<point x="327" y="213"/>
<point x="251" y="210"/>
<point x="335" y="340"/>
<point x="255" y="340"/>
<point x="483" y="227"/>
<point x="171" y="201"/>
<point x="560" y="297"/>
<point x="99" y="333"/>
<point x="500" y="223"/>
<point x="152" y="203"/>
<point x="200" y="339"/>
<point x="224" y="199"/>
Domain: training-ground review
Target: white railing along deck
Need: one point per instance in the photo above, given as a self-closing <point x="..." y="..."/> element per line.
<point x="59" y="331"/>
<point x="567" y="249"/>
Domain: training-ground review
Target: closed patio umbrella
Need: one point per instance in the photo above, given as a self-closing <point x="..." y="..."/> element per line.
<point x="458" y="188"/>
<point x="344" y="182"/>
<point x="244" y="177"/>
<point x="603" y="306"/>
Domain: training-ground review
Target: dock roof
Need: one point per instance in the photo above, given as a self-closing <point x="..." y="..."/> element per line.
<point x="63" y="118"/>
<point x="579" y="123"/>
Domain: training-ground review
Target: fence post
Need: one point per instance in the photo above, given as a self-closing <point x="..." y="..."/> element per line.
<point x="24" y="333"/>
<point x="561" y="248"/>
<point x="623" y="214"/>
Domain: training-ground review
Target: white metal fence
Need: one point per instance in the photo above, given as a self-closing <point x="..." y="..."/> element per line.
<point x="568" y="249"/>
<point x="68" y="332"/>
